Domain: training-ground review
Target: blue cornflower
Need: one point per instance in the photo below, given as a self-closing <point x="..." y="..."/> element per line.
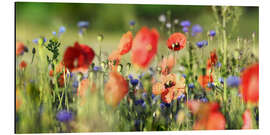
<point x="137" y="124"/>
<point x="212" y="33"/>
<point x="210" y="85"/>
<point x="83" y="24"/>
<point x="202" y="43"/>
<point x="96" y="68"/>
<point x="144" y="95"/>
<point x="75" y="84"/>
<point x="143" y="104"/>
<point x="205" y="42"/>
<point x="64" y="116"/>
<point x="153" y="96"/>
<point x="204" y="99"/>
<point x="233" y="81"/>
<point x="32" y="81"/>
<point x="185" y="23"/>
<point x="199" y="44"/>
<point x="196" y="29"/>
<point x="191" y="86"/>
<point x="41" y="109"/>
<point x="168" y="105"/>
<point x="41" y="40"/>
<point x="35" y="41"/>
<point x="141" y="75"/>
<point x="62" y="29"/>
<point x="185" y="29"/>
<point x="184" y="75"/>
<point x="71" y="75"/>
<point x="155" y="99"/>
<point x="134" y="82"/>
<point x="132" y="23"/>
<point x="130" y="77"/>
<point x="80" y="32"/>
<point x="139" y="102"/>
<point x="221" y="80"/>
<point x="181" y="97"/>
<point x="44" y="39"/>
<point x="54" y="33"/>
<point x="162" y="106"/>
<point x="219" y="65"/>
<point x="140" y="85"/>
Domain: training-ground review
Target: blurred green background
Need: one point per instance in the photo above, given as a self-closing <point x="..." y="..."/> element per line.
<point x="115" y="17"/>
<point x="35" y="19"/>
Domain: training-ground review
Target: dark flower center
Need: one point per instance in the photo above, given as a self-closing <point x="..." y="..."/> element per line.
<point x="169" y="84"/>
<point x="176" y="45"/>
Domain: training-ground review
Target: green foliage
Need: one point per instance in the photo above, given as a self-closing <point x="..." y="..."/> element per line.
<point x="53" y="47"/>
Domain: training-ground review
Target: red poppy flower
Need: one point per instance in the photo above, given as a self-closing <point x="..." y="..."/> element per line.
<point x="23" y="64"/>
<point x="167" y="64"/>
<point x="169" y="87"/>
<point x="20" y="48"/>
<point x="145" y="45"/>
<point x="197" y="107"/>
<point x="204" y="80"/>
<point x="114" y="59"/>
<point x="78" y="57"/>
<point x="61" y="80"/>
<point x="18" y="100"/>
<point x="208" y="116"/>
<point x="115" y="89"/>
<point x="212" y="60"/>
<point x="51" y="73"/>
<point x="85" y="84"/>
<point x="177" y="41"/>
<point x="250" y="84"/>
<point x="213" y="57"/>
<point x="247" y="119"/>
<point x="125" y="43"/>
<point x="58" y="69"/>
<point x="216" y="121"/>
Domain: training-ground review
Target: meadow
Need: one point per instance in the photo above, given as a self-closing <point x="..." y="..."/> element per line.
<point x="164" y="73"/>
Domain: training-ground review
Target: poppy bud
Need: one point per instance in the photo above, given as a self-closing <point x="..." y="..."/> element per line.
<point x="100" y="37"/>
<point x="128" y="65"/>
<point x="103" y="65"/>
<point x="34" y="50"/>
<point x="119" y="68"/>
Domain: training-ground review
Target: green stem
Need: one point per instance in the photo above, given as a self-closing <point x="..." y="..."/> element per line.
<point x="225" y="91"/>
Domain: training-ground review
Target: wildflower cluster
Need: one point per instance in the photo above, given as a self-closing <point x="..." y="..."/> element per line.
<point x="141" y="85"/>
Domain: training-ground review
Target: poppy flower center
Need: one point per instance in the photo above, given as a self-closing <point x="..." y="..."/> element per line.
<point x="75" y="62"/>
<point x="149" y="47"/>
<point x="176" y="45"/>
<point x="169" y="84"/>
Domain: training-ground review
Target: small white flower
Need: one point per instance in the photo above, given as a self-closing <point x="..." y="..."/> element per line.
<point x="162" y="18"/>
<point x="168" y="25"/>
<point x="176" y="21"/>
